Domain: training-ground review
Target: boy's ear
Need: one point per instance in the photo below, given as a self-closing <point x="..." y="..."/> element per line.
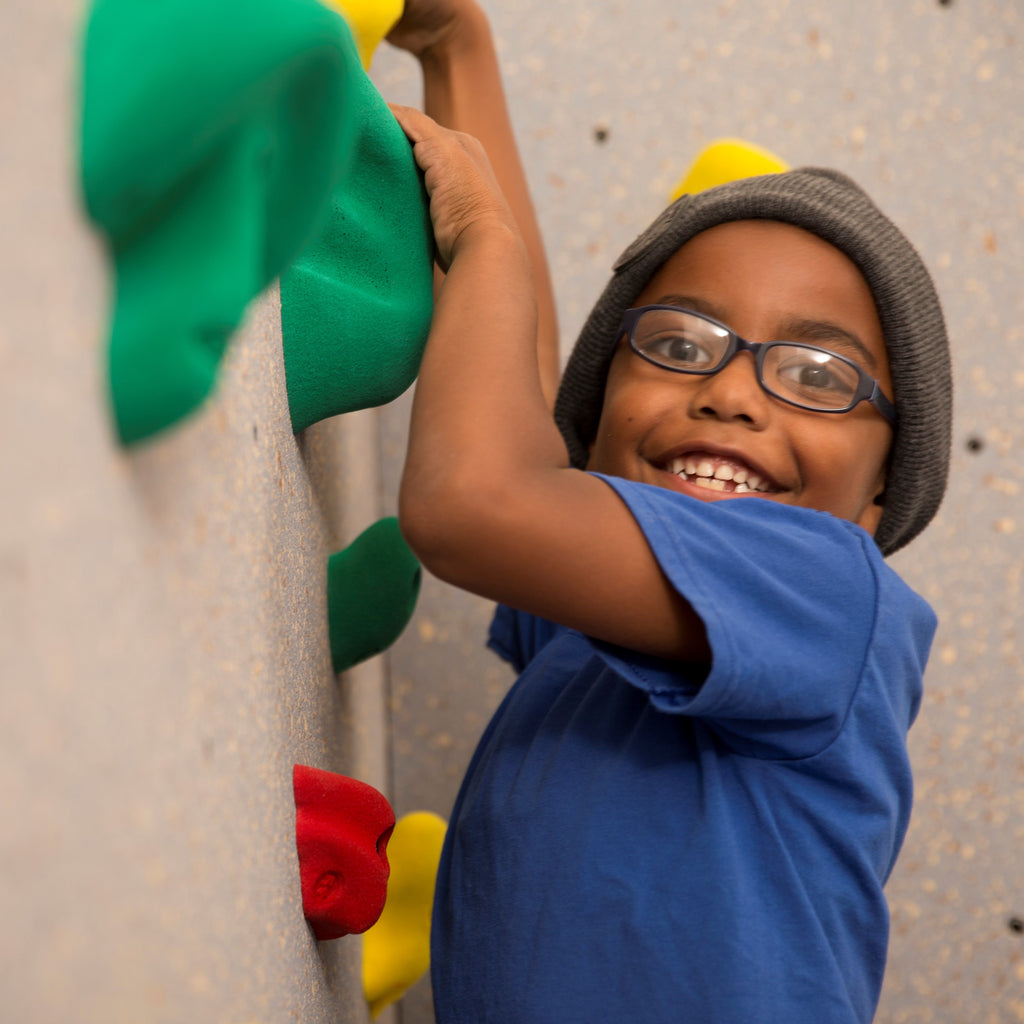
<point x="871" y="516"/>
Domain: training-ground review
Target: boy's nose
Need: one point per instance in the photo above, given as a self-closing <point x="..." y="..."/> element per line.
<point x="733" y="393"/>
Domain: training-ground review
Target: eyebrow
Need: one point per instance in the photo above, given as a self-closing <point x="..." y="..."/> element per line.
<point x="796" y="328"/>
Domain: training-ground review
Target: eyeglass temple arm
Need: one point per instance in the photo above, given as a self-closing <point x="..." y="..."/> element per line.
<point x="883" y="405"/>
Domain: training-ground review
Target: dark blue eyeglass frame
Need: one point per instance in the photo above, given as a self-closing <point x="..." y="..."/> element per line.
<point x="868" y="389"/>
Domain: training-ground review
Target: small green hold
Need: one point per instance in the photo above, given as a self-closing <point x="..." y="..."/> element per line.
<point x="372" y="586"/>
<point x="213" y="134"/>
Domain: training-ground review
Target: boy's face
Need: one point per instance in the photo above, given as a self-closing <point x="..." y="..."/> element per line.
<point x="768" y="281"/>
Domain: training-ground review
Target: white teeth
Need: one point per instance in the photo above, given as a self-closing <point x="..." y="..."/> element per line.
<point x="703" y="471"/>
<point x="710" y="483"/>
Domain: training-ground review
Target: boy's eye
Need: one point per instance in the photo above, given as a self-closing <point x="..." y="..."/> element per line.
<point x="679" y="349"/>
<point x="816" y="373"/>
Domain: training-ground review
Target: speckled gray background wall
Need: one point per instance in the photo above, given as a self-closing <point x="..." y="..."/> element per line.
<point x="923" y="103"/>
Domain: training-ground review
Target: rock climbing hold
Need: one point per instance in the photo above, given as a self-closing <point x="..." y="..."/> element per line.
<point x="370" y="21"/>
<point x="396" y="950"/>
<point x="372" y="586"/>
<point x="212" y="135"/>
<point x="727" y="160"/>
<point x="357" y="303"/>
<point x="342" y="828"/>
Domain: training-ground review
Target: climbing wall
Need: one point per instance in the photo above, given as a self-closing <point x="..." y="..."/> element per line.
<point x="920" y="102"/>
<point x="165" y="654"/>
<point x="168" y="650"/>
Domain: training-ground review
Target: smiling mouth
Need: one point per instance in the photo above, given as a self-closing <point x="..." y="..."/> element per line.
<point x="718" y="474"/>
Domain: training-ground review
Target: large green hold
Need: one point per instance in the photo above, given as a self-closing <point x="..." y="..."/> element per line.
<point x="214" y="135"/>
<point x="356" y="305"/>
<point x="372" y="586"/>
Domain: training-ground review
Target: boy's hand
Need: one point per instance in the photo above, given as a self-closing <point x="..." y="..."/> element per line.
<point x="427" y="24"/>
<point x="462" y="89"/>
<point x="465" y="199"/>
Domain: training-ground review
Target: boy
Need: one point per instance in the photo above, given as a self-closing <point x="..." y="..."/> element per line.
<point x="688" y="804"/>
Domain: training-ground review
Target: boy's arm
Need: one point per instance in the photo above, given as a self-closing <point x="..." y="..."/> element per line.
<point x="488" y="501"/>
<point x="462" y="90"/>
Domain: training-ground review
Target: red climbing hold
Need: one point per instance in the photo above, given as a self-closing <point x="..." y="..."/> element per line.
<point x="342" y="828"/>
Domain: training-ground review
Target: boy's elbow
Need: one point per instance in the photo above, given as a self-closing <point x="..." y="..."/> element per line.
<point x="436" y="519"/>
<point x="420" y="532"/>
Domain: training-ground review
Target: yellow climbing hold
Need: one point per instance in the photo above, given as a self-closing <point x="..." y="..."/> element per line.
<point x="396" y="950"/>
<point x="369" y="20"/>
<point x="727" y="160"/>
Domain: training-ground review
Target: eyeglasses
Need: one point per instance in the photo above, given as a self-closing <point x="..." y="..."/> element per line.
<point x="803" y="375"/>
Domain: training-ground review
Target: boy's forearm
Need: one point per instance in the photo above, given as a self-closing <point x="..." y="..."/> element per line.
<point x="479" y="416"/>
<point x="478" y="391"/>
<point x="463" y="91"/>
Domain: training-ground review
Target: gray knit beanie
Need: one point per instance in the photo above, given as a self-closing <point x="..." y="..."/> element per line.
<point x="831" y="206"/>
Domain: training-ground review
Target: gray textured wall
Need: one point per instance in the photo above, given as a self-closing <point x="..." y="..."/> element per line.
<point x="922" y="103"/>
<point x="163" y="635"/>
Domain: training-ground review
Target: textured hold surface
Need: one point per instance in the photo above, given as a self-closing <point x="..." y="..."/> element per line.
<point x="212" y="133"/>
<point x="342" y="828"/>
<point x="356" y="305"/>
<point x="396" y="950"/>
<point x="372" y="587"/>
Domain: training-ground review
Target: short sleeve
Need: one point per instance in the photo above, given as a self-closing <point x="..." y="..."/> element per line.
<point x="517" y="636"/>
<point x="788" y="597"/>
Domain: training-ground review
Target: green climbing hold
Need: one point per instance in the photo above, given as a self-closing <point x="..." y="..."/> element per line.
<point x="213" y="133"/>
<point x="372" y="586"/>
<point x="356" y="305"/>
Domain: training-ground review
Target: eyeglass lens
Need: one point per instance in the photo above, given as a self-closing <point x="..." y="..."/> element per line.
<point x="806" y="375"/>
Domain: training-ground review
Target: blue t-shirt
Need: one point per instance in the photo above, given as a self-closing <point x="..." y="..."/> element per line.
<point x="637" y="842"/>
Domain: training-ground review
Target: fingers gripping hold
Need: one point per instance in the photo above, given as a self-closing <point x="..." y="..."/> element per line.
<point x="459" y="180"/>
